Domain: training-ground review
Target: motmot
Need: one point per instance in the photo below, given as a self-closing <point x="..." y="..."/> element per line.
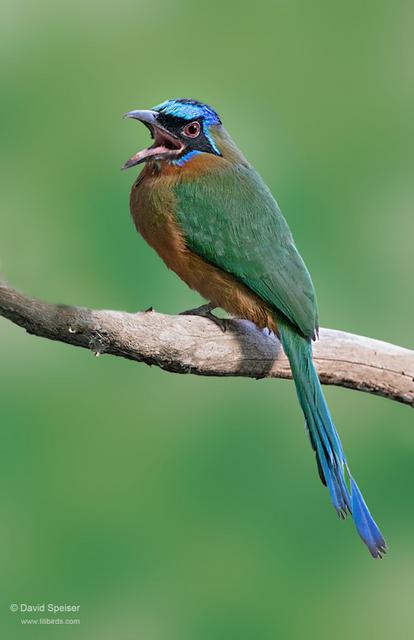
<point x="211" y="218"/>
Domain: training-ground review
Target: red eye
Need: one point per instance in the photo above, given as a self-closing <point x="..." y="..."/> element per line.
<point x="192" y="130"/>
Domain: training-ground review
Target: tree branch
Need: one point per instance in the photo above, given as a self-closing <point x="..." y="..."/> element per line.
<point x="191" y="344"/>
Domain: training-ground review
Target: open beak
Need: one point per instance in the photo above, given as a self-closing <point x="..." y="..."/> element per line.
<point x="165" y="145"/>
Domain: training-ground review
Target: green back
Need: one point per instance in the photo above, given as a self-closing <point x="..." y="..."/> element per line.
<point x="230" y="218"/>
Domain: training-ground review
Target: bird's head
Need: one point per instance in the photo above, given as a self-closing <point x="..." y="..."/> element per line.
<point x="181" y="129"/>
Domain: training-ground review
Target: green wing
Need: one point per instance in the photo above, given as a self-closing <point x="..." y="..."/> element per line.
<point x="230" y="218"/>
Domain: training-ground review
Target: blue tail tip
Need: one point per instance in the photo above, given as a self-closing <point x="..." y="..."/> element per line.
<point x="365" y="524"/>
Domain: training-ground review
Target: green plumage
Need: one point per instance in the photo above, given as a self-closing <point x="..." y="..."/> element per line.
<point x="234" y="246"/>
<point x="230" y="218"/>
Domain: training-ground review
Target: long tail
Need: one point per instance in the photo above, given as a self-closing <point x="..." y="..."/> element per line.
<point x="332" y="465"/>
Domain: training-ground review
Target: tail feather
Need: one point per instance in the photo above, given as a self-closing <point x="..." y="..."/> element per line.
<point x="332" y="465"/>
<point x="365" y="524"/>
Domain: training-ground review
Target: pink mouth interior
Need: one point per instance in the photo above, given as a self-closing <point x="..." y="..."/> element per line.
<point x="164" y="144"/>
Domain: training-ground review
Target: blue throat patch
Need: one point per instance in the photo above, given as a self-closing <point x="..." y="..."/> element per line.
<point x="187" y="156"/>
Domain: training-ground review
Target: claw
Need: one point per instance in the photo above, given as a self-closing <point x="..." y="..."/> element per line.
<point x="204" y="311"/>
<point x="222" y="323"/>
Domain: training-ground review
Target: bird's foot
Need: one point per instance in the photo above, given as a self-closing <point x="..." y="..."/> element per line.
<point x="205" y="312"/>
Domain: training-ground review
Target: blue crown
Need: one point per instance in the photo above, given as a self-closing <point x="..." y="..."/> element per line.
<point x="189" y="110"/>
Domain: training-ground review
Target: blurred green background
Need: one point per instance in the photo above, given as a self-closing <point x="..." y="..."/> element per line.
<point x="175" y="507"/>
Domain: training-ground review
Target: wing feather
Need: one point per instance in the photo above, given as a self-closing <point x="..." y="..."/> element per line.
<point x="230" y="218"/>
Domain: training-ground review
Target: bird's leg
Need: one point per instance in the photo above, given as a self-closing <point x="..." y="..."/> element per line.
<point x="199" y="311"/>
<point x="205" y="312"/>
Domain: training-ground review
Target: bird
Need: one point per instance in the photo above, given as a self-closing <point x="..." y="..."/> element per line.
<point x="214" y="222"/>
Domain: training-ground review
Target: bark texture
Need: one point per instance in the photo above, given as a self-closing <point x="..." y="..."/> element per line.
<point x="191" y="344"/>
